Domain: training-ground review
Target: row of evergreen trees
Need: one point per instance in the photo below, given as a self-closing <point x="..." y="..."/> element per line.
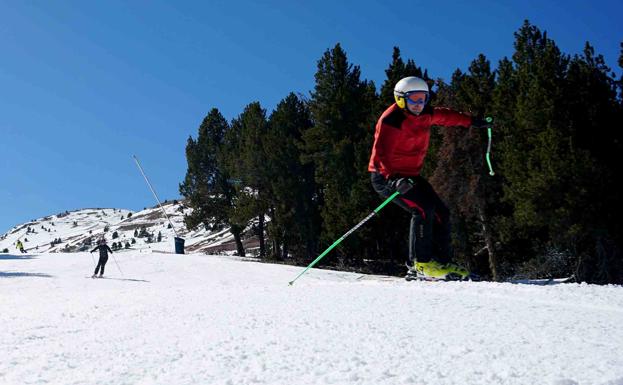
<point x="551" y="209"/>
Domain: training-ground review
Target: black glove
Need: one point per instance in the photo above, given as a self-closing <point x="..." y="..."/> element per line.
<point x="481" y="123"/>
<point x="403" y="185"/>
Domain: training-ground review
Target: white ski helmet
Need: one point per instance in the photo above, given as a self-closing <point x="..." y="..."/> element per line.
<point x="407" y="85"/>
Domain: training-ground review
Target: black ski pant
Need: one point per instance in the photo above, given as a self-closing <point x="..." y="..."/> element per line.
<point x="429" y="233"/>
<point x="101" y="263"/>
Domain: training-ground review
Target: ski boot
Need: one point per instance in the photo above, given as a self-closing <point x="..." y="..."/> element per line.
<point x="436" y="271"/>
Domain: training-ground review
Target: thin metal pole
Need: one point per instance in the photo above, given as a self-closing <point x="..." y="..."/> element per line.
<point x="93" y="259"/>
<point x="153" y="192"/>
<point x="115" y="259"/>
<point x="347" y="234"/>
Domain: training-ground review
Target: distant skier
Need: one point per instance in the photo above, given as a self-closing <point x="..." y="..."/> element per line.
<point x="20" y="246"/>
<point x="400" y="146"/>
<point x="104" y="250"/>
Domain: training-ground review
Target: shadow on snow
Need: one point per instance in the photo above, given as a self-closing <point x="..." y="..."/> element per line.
<point x="121" y="279"/>
<point x="11" y="256"/>
<point x="18" y="274"/>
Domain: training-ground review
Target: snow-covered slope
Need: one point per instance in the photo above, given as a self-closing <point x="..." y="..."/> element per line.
<point x="72" y="228"/>
<point x="197" y="319"/>
<point x="147" y="229"/>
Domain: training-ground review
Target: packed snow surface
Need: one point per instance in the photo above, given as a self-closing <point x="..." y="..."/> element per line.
<point x="197" y="319"/>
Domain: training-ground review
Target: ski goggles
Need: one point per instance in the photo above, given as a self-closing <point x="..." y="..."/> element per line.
<point x="416" y="97"/>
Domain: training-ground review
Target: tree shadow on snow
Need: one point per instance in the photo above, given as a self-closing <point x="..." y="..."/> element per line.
<point x="11" y="256"/>
<point x="18" y="274"/>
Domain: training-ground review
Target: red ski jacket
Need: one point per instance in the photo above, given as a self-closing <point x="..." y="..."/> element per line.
<point x="401" y="139"/>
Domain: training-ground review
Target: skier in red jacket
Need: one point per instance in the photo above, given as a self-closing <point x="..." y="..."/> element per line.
<point x="400" y="145"/>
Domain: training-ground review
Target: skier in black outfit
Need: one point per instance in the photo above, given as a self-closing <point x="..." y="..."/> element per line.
<point x="104" y="250"/>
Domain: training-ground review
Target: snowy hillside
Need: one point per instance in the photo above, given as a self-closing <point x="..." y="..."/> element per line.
<point x="147" y="229"/>
<point x="197" y="319"/>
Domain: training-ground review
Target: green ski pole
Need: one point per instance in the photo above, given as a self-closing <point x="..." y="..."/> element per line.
<point x="346" y="235"/>
<point x="489" y="120"/>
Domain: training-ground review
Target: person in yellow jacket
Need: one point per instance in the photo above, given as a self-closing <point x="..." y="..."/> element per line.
<point x="20" y="246"/>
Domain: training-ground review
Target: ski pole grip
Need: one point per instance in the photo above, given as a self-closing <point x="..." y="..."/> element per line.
<point x="489" y="120"/>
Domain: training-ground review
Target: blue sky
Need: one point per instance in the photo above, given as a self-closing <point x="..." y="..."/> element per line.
<point x="84" y="85"/>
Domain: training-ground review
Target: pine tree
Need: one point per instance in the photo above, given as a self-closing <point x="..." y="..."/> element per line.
<point x="293" y="210"/>
<point x="595" y="142"/>
<point x="621" y="79"/>
<point x="235" y="204"/>
<point x="397" y="70"/>
<point x="338" y="145"/>
<point x="547" y="104"/>
<point x="143" y="233"/>
<point x="460" y="177"/>
<point x="202" y="175"/>
<point x="248" y="165"/>
<point x="206" y="187"/>
<point x="526" y="103"/>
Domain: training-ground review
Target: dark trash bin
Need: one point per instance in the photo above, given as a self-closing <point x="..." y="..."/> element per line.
<point x="179" y="245"/>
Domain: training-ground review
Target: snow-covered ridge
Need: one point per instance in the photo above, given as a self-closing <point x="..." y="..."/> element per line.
<point x="73" y="231"/>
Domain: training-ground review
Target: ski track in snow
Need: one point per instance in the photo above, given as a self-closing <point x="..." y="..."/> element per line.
<point x="197" y="319"/>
